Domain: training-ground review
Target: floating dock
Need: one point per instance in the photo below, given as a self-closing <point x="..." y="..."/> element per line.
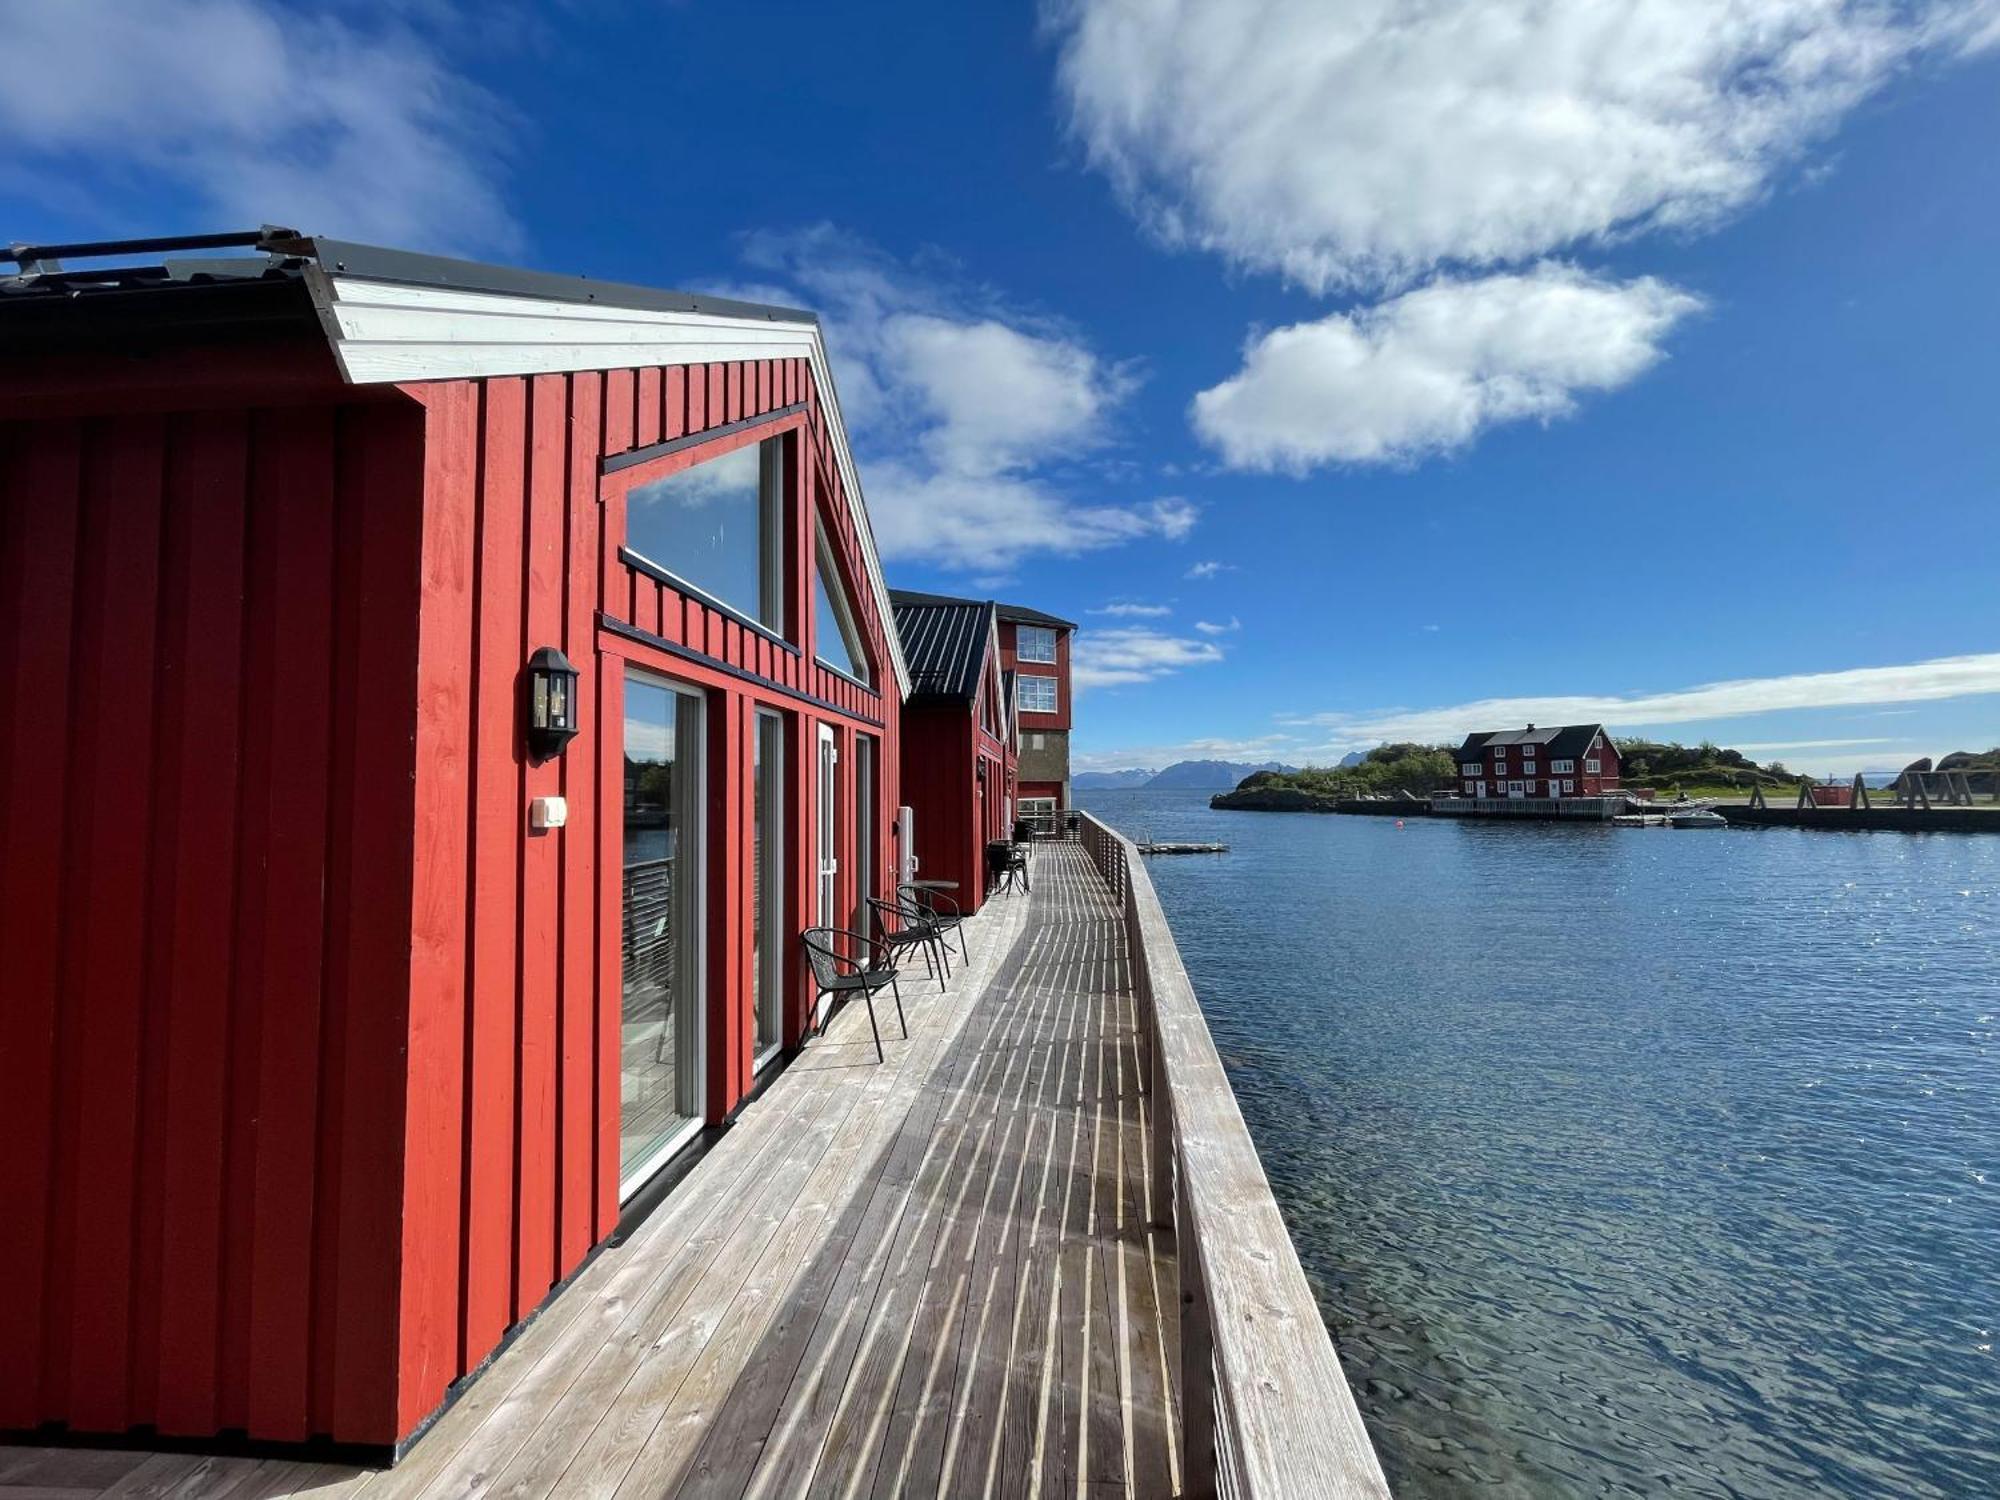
<point x="1875" y="819"/>
<point x="1169" y="847"/>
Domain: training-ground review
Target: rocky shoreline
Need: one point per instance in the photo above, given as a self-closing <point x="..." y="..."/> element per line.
<point x="1274" y="799"/>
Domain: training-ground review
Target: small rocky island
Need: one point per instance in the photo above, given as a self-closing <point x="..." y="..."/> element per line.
<point x="1404" y="772"/>
<point x="1274" y="791"/>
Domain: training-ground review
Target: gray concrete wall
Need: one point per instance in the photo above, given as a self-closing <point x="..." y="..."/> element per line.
<point x="1050" y="763"/>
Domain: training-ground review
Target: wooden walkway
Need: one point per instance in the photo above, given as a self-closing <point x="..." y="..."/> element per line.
<point x="933" y="1277"/>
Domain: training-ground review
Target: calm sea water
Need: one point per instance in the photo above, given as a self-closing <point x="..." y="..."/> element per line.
<point x="1624" y="1162"/>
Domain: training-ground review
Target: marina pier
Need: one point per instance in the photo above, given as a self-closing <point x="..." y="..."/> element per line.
<point x="1034" y="1252"/>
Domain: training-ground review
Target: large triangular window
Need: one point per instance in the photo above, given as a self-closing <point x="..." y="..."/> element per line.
<point x="836" y="638"/>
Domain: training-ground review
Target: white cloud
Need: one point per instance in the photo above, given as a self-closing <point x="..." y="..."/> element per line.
<point x="1135" y="653"/>
<point x="1915" y="682"/>
<point x="264" y="111"/>
<point x="963" y="407"/>
<point x="1428" y="371"/>
<point x="1775" y="747"/>
<point x="1210" y="569"/>
<point x="1209" y="627"/>
<point x="1365" y="142"/>
<point x="1132" y="610"/>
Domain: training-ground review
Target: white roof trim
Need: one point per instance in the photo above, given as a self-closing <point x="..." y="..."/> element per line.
<point x="386" y="332"/>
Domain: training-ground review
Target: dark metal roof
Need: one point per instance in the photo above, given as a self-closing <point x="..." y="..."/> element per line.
<point x="1020" y="614"/>
<point x="945" y="643"/>
<point x="1558" y="742"/>
<point x="45" y="285"/>
<point x="1017" y="613"/>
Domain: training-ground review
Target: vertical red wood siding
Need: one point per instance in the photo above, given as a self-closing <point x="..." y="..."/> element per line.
<point x="1010" y="661"/>
<point x="202" y="1055"/>
<point x="310" y="1076"/>
<point x="514" y="1001"/>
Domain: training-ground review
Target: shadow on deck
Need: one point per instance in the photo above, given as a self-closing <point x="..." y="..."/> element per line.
<point x="930" y="1277"/>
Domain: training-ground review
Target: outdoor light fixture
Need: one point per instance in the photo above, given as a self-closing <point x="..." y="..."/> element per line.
<point x="551" y="704"/>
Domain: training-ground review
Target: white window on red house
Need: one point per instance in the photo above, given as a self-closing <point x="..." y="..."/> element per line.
<point x="1035" y="643"/>
<point x="1472" y="769"/>
<point x="1035" y="695"/>
<point x="1590" y="767"/>
<point x="1569" y="786"/>
<point x="1468" y="789"/>
<point x="1560" y="766"/>
<point x="1528" y="768"/>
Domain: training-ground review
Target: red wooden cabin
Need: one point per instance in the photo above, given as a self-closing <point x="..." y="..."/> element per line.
<point x="959" y="755"/>
<point x="1567" y="760"/>
<point x="337" y="1026"/>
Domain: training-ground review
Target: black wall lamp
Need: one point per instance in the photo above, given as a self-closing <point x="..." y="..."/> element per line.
<point x="551" y="704"/>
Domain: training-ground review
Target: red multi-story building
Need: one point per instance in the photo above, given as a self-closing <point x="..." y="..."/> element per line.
<point x="1571" y="760"/>
<point x="959" y="739"/>
<point x="438" y="695"/>
<point x="1035" y="651"/>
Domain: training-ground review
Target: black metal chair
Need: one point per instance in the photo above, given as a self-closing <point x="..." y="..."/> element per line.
<point x="900" y="924"/>
<point x="941" y="911"/>
<point x="837" y="975"/>
<point x="1006" y="862"/>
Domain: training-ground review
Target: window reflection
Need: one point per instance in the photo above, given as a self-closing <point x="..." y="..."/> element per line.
<point x="660" y="1081"/>
<point x="720" y="527"/>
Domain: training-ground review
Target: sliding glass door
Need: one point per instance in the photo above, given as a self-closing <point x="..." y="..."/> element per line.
<point x="864" y="829"/>
<point x="664" y="879"/>
<point x="767" y="881"/>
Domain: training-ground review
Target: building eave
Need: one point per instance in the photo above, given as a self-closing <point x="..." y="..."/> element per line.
<point x="390" y="327"/>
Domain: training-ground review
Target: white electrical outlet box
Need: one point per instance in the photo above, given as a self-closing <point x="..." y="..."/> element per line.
<point x="548" y="812"/>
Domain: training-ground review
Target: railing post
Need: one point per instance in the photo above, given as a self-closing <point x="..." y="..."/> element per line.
<point x="1198" y="1412"/>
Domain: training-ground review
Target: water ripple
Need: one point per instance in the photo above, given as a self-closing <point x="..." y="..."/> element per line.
<point x="1624" y="1163"/>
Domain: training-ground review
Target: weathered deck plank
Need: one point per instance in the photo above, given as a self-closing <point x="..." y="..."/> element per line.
<point x="929" y="1277"/>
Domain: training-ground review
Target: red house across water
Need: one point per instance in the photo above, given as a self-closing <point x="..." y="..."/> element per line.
<point x="1570" y="760"/>
<point x="362" y="964"/>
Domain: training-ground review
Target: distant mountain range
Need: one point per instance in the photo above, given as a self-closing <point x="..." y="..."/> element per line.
<point x="1182" y="775"/>
<point x="1111" y="781"/>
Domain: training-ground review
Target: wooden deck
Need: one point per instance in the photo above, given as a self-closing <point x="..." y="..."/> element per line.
<point x="932" y="1277"/>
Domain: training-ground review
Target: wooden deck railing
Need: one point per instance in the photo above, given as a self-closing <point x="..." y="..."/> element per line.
<point x="1265" y="1410"/>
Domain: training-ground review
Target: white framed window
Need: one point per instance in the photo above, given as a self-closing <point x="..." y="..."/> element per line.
<point x="1569" y="786"/>
<point x="1472" y="768"/>
<point x="1035" y="695"/>
<point x="1590" y="767"/>
<point x="1468" y="789"/>
<point x="1035" y="643"/>
<point x="1562" y="766"/>
<point x="1514" y="789"/>
<point x="1528" y="768"/>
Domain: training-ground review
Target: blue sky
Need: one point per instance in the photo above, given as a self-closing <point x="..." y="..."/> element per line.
<point x="1348" y="372"/>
